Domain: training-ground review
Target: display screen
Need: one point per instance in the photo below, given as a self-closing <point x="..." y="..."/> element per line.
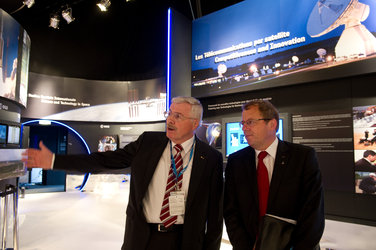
<point x="24" y="72"/>
<point x="3" y="133"/>
<point x="210" y="132"/>
<point x="364" y="136"/>
<point x="235" y="139"/>
<point x="107" y="143"/>
<point x="14" y="62"/>
<point x="13" y="134"/>
<point x="267" y="43"/>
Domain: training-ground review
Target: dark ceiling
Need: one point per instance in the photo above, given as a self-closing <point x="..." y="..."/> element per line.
<point x="128" y="42"/>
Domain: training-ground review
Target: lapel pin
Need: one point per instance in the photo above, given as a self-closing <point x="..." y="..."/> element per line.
<point x="283" y="159"/>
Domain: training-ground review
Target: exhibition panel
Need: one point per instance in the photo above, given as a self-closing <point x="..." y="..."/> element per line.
<point x="314" y="62"/>
<point x="14" y="69"/>
<point x="262" y="44"/>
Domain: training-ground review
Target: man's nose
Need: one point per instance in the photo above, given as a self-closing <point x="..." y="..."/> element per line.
<point x="170" y="120"/>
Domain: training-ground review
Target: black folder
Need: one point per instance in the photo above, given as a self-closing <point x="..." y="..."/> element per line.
<point x="275" y="234"/>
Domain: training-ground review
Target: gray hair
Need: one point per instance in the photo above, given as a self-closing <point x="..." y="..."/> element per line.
<point x="196" y="110"/>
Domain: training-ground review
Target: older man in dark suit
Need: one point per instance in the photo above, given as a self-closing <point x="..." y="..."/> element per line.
<point x="285" y="183"/>
<point x="176" y="189"/>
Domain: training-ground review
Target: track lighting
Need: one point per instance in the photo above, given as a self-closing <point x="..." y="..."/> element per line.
<point x="29" y="3"/>
<point x="67" y="15"/>
<point x="104" y="4"/>
<point x="54" y="21"/>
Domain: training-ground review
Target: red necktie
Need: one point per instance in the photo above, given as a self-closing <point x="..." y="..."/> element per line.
<point x="165" y="217"/>
<point x="262" y="183"/>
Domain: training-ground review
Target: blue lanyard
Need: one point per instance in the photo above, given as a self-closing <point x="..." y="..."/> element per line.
<point x="177" y="175"/>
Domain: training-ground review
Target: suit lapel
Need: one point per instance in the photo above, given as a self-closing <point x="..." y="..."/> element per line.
<point x="280" y="167"/>
<point x="198" y="169"/>
<point x="249" y="163"/>
<point x="153" y="159"/>
<point x="250" y="170"/>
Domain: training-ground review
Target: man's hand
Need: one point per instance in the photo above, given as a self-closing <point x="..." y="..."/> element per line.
<point x="38" y="158"/>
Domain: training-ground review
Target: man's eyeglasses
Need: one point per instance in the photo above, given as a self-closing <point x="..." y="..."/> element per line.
<point x="176" y="116"/>
<point x="252" y="122"/>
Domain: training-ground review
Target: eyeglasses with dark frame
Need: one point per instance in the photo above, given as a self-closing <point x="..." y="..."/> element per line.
<point x="252" y="122"/>
<point x="176" y="116"/>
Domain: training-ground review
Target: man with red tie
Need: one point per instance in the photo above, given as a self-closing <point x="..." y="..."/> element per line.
<point x="176" y="188"/>
<point x="272" y="178"/>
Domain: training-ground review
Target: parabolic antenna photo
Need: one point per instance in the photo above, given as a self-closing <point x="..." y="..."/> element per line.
<point x="325" y="16"/>
<point x="356" y="41"/>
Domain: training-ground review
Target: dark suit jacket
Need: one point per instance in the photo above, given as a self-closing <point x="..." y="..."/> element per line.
<point x="364" y="165"/>
<point x="203" y="219"/>
<point x="295" y="192"/>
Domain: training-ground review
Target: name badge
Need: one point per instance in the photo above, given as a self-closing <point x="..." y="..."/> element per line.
<point x="177" y="203"/>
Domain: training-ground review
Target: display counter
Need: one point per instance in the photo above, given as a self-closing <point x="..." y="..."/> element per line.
<point x="11" y="167"/>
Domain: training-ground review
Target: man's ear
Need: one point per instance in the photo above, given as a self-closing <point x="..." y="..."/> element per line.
<point x="273" y="123"/>
<point x="196" y="123"/>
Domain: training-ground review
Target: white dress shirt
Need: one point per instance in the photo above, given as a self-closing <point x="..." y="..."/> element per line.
<point x="154" y="196"/>
<point x="270" y="158"/>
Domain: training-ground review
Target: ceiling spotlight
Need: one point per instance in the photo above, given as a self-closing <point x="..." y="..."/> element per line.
<point x="67" y="15"/>
<point x="29" y="3"/>
<point x="104" y="4"/>
<point x="54" y="21"/>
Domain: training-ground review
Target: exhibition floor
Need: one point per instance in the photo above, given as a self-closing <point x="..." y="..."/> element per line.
<point x="95" y="220"/>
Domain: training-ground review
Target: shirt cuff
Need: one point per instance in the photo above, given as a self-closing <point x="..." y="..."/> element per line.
<point x="53" y="161"/>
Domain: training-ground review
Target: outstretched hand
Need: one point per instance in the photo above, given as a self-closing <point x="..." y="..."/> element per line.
<point x="38" y="158"/>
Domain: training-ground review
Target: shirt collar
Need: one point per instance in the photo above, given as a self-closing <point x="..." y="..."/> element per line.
<point x="271" y="150"/>
<point x="186" y="145"/>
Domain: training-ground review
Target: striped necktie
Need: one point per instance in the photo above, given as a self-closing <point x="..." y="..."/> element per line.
<point x="165" y="217"/>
